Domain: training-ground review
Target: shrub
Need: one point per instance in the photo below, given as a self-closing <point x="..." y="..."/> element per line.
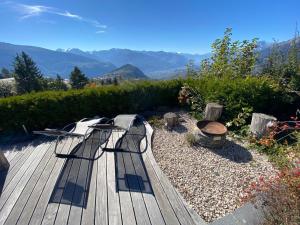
<point x="191" y="139"/>
<point x="260" y="93"/>
<point x="156" y="121"/>
<point x="56" y="108"/>
<point x="278" y="197"/>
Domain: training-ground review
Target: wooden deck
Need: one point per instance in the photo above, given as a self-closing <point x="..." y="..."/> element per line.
<point x="125" y="186"/>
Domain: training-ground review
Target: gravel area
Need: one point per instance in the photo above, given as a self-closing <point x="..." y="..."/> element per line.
<point x="211" y="181"/>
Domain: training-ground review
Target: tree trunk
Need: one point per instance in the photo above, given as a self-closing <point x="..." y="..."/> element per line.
<point x="259" y="124"/>
<point x="4" y="164"/>
<point x="213" y="111"/>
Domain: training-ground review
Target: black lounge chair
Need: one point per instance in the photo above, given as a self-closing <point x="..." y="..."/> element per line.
<point x="81" y="129"/>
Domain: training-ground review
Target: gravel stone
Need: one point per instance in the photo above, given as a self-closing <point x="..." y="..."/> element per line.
<point x="211" y="181"/>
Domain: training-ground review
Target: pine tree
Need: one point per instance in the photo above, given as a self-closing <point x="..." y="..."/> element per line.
<point x="27" y="75"/>
<point x="78" y="79"/>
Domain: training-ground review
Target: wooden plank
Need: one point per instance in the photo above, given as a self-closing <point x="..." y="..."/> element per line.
<point x="88" y="213"/>
<point x="29" y="188"/>
<point x="16" y="168"/>
<point x="114" y="211"/>
<point x="11" y="155"/>
<point x="101" y="209"/>
<point x="28" y="165"/>
<point x="59" y="189"/>
<point x="140" y="209"/>
<point x="165" y="207"/>
<point x="13" y="197"/>
<point x="82" y="182"/>
<point x="127" y="210"/>
<point x="41" y="203"/>
<point x="177" y="204"/>
<point x="12" y="150"/>
<point x="28" y="209"/>
<point x="69" y="187"/>
<point x="15" y="160"/>
<point x="148" y="195"/>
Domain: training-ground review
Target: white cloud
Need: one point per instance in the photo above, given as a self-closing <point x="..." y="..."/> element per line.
<point x="31" y="10"/>
<point x="27" y="11"/>
<point x="100" y="31"/>
<point x="68" y="14"/>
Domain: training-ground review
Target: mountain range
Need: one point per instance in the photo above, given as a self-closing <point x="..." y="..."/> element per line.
<point x="53" y="62"/>
<point x="155" y="64"/>
<point x="97" y="63"/>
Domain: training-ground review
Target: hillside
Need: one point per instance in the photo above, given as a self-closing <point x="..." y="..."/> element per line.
<point x="53" y="62"/>
<point x="126" y="72"/>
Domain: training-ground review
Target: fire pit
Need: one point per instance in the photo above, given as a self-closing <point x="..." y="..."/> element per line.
<point x="210" y="133"/>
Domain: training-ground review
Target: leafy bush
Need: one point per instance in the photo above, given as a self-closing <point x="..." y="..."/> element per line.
<point x="260" y="93"/>
<point x="279" y="197"/>
<point x="56" y="108"/>
<point x="156" y="121"/>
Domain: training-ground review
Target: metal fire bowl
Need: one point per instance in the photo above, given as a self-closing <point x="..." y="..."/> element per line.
<point x="212" y="127"/>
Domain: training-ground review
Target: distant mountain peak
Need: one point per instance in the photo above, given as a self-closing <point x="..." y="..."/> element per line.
<point x="126" y="72"/>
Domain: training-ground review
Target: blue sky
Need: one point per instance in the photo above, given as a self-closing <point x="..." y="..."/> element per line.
<point x="177" y="26"/>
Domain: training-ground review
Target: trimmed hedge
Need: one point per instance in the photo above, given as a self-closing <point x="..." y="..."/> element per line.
<point x="57" y="108"/>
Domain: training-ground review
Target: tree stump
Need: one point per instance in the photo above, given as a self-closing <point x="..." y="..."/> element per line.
<point x="213" y="111"/>
<point x="259" y="123"/>
<point x="4" y="164"/>
<point x="171" y="120"/>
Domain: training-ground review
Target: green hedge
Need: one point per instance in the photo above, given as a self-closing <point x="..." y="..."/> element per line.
<point x="56" y="108"/>
<point x="261" y="93"/>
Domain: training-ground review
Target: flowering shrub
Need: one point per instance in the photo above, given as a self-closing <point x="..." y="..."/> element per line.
<point x="278" y="197"/>
<point x="189" y="96"/>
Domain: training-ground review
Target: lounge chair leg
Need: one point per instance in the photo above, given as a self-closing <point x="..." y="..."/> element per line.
<point x="57" y="140"/>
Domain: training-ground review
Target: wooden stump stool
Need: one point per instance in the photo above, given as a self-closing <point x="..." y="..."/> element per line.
<point x="213" y="111"/>
<point x="259" y="123"/>
<point x="171" y="120"/>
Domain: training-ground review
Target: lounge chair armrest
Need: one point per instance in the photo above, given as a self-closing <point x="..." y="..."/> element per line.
<point x="74" y="134"/>
<point x="51" y="132"/>
<point x="105" y="127"/>
<point x="65" y="128"/>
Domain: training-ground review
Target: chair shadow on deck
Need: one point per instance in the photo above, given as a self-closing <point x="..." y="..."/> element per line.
<point x="73" y="183"/>
<point x="131" y="173"/>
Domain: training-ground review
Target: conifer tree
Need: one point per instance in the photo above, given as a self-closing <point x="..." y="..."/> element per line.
<point x="27" y="75"/>
<point x="78" y="79"/>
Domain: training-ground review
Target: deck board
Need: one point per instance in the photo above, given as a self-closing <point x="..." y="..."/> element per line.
<point x="14" y="195"/>
<point x="120" y="187"/>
